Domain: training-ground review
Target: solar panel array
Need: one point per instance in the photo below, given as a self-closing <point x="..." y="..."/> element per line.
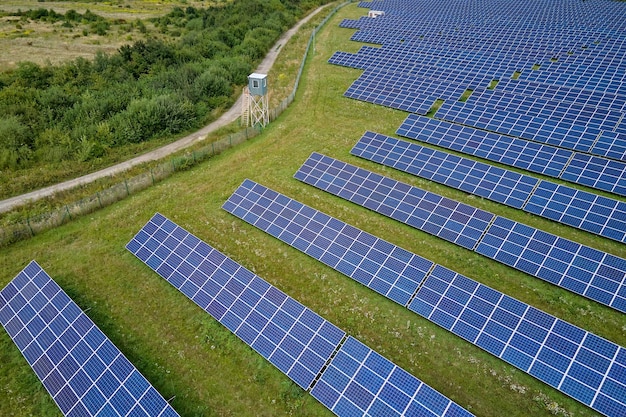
<point x="586" y="271"/>
<point x="83" y="371"/>
<point x="443" y="217"/>
<point x="592" y="171"/>
<point x="578" y="363"/>
<point x="587" y="211"/>
<point x="303" y="345"/>
<point x="571" y="112"/>
<point x="557" y="133"/>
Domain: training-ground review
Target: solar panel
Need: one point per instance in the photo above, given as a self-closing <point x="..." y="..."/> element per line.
<point x="361" y="382"/>
<point x="83" y="371"/>
<point x="474" y="177"/>
<point x="375" y="263"/>
<point x="550" y="349"/>
<point x="290" y="336"/>
<point x="557" y="132"/>
<point x="596" y="214"/>
<point x="570" y="359"/>
<point x="571" y="112"/>
<point x="586" y="271"/>
<point x="534" y="157"/>
<point x="591" y="212"/>
<point x="592" y="171"/>
<point x="611" y="145"/>
<point x="303" y="345"/>
<point x="596" y="172"/>
<point x="429" y="212"/>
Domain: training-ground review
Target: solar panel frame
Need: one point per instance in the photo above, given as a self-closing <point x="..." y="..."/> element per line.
<point x="261" y="315"/>
<point x="82" y="370"/>
<point x="586" y="211"/>
<point x="570" y="359"/>
<point x="161" y="229"/>
<point x="591" y="212"/>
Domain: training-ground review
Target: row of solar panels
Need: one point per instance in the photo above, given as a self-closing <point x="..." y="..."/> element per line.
<point x="587" y="211"/>
<point x="577" y="135"/>
<point x="398" y="58"/>
<point x="346" y="376"/>
<point x="580" y="168"/>
<point x="580" y="364"/>
<point x="583" y="270"/>
<point x="87" y="375"/>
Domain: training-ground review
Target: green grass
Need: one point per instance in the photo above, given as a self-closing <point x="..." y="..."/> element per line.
<point x="186" y="355"/>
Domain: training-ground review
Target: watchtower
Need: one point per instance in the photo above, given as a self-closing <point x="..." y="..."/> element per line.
<point x="255" y="105"/>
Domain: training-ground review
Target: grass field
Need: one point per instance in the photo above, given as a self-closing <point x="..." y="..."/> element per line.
<point x="45" y="42"/>
<point x="210" y="372"/>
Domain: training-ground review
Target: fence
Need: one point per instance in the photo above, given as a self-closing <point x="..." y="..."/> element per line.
<point x="31" y="226"/>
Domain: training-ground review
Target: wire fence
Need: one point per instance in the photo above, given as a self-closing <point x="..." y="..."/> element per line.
<point x="29" y="227"/>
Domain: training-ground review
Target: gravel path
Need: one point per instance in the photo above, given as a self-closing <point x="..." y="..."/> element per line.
<point x="160" y="153"/>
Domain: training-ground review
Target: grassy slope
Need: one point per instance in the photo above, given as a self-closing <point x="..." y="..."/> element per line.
<point x="185" y="354"/>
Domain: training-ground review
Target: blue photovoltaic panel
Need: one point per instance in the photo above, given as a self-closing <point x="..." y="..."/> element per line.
<point x="361" y="382"/>
<point x="596" y="214"/>
<point x="586" y="271"/>
<point x="582" y="365"/>
<point x="552" y="350"/>
<point x="612" y="145"/>
<point x="596" y="172"/>
<point x="559" y="133"/>
<point x="423" y="210"/>
<point x="474" y="177"/>
<point x="375" y="263"/>
<point x="292" y="337"/>
<point x="592" y="171"/>
<point x="534" y="157"/>
<point x="83" y="371"/>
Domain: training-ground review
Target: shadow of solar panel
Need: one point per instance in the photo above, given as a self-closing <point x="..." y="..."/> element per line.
<point x="360" y="382"/>
<point x="373" y="262"/>
<point x="474" y="177"/>
<point x="572" y="360"/>
<point x="290" y="336"/>
<point x="596" y="172"/>
<point x="423" y="210"/>
<point x="550" y="349"/>
<point x="586" y="271"/>
<point x="596" y="214"/>
<point x="81" y="369"/>
<point x="519" y="153"/>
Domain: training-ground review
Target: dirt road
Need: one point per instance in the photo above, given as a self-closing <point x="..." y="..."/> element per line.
<point x="160" y="153"/>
